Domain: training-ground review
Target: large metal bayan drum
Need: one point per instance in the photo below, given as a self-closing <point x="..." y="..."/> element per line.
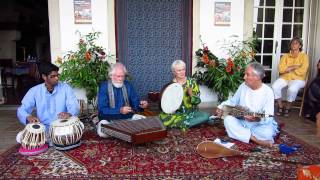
<point x="33" y="139"/>
<point x="171" y="98"/>
<point x="66" y="134"/>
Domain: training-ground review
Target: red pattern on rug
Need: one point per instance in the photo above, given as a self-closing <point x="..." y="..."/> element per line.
<point x="173" y="157"/>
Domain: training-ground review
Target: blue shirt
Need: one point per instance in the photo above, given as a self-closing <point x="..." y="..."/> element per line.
<point x="108" y="113"/>
<point x="48" y="105"/>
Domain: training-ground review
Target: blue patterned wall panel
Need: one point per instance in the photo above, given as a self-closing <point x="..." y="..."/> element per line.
<point x="152" y="37"/>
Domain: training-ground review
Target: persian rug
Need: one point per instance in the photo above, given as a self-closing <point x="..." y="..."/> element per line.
<point x="174" y="157"/>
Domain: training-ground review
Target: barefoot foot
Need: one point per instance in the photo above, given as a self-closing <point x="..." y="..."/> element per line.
<point x="266" y="143"/>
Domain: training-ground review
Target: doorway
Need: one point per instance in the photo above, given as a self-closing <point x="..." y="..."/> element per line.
<point x="24" y="31"/>
<point x="276" y="23"/>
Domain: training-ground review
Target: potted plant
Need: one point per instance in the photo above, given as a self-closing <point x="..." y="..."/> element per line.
<point x="86" y="67"/>
<point x="224" y="75"/>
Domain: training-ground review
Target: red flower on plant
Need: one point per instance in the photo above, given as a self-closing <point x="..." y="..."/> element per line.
<point x="230" y="62"/>
<point x="229" y="70"/>
<point x="88" y="56"/>
<point x="230" y="65"/>
<point x="205" y="58"/>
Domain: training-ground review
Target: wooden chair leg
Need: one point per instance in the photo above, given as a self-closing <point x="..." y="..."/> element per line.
<point x="302" y="101"/>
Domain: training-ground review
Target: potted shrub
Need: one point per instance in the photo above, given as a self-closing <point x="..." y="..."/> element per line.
<point x="224" y="75"/>
<point x="86" y="67"/>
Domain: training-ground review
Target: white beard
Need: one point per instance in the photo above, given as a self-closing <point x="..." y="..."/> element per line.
<point x="117" y="85"/>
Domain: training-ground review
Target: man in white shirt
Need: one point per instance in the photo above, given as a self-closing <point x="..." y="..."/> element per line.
<point x="256" y="97"/>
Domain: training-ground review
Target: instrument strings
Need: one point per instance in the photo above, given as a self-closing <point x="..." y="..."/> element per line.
<point x="241" y="111"/>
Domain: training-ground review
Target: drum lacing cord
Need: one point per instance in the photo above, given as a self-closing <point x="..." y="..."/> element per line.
<point x="32" y="138"/>
<point x="69" y="138"/>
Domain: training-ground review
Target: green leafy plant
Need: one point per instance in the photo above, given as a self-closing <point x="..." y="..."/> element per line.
<point x="224" y="75"/>
<point x="86" y="67"/>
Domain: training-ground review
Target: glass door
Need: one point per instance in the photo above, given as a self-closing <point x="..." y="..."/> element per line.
<point x="276" y="23"/>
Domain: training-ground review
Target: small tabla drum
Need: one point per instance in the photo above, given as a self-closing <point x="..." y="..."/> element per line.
<point x="33" y="139"/>
<point x="171" y="97"/>
<point x="66" y="134"/>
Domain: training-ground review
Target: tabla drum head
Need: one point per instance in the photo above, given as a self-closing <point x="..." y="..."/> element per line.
<point x="35" y="127"/>
<point x="73" y="120"/>
<point x="171" y="98"/>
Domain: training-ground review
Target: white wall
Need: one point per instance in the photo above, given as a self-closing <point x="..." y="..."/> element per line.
<point x="214" y="35"/>
<point x="63" y="36"/>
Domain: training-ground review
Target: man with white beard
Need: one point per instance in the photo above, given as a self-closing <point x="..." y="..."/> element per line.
<point x="117" y="99"/>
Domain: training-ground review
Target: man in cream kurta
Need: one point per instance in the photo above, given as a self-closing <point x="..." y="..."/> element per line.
<point x="256" y="97"/>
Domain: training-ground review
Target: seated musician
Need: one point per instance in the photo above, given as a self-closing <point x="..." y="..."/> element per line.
<point x="51" y="99"/>
<point x="117" y="99"/>
<point x="311" y="108"/>
<point x="256" y="97"/>
<point x="188" y="114"/>
<point x="293" y="69"/>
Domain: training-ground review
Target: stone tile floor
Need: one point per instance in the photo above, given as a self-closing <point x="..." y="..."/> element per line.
<point x="300" y="127"/>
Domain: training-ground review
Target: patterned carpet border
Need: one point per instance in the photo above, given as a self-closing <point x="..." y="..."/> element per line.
<point x="171" y="158"/>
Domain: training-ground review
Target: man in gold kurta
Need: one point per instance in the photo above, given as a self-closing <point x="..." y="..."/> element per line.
<point x="293" y="70"/>
<point x="188" y="114"/>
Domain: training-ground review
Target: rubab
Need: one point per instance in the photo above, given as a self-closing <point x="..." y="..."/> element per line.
<point x="239" y="111"/>
<point x="210" y="149"/>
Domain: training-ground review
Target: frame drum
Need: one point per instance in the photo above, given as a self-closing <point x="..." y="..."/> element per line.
<point x="171" y="98"/>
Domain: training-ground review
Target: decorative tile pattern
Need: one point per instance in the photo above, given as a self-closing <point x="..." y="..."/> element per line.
<point x="154" y="30"/>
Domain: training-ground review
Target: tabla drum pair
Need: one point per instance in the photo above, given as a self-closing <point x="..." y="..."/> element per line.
<point x="33" y="139"/>
<point x="66" y="134"/>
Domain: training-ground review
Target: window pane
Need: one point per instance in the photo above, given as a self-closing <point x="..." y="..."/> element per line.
<point x="270" y="2"/>
<point x="267" y="78"/>
<point x="287" y="15"/>
<point x="260" y="15"/>
<point x="298" y="15"/>
<point x="288" y="3"/>
<point x="286" y="31"/>
<point x="269" y="15"/>
<point x="267" y="46"/>
<point x="258" y="3"/>
<point x="285" y="46"/>
<point x="259" y="44"/>
<point x="268" y="31"/>
<point x="299" y="3"/>
<point x="267" y="62"/>
<point x="259" y="30"/>
<point x="297" y="30"/>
